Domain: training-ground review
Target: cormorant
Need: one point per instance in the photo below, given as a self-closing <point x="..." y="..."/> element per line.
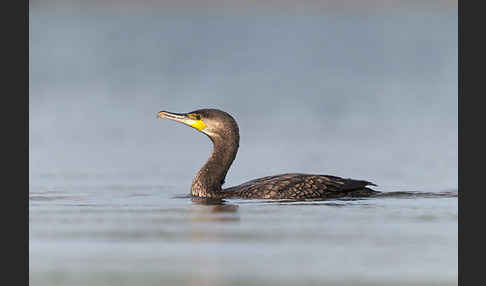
<point x="223" y="131"/>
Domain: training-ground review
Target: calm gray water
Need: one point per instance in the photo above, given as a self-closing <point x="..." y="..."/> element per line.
<point x="363" y="95"/>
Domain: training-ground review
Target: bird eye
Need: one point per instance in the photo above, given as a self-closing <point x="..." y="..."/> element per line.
<point x="198" y="117"/>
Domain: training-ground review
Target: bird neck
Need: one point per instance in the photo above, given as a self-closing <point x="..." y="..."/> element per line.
<point x="208" y="181"/>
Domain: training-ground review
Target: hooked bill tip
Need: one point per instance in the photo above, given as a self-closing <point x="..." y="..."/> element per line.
<point x="161" y="114"/>
<point x="171" y="115"/>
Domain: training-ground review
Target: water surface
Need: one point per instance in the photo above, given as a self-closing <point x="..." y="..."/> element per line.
<point x="112" y="235"/>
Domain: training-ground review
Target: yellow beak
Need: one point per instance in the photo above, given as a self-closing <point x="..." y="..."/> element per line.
<point x="183" y="118"/>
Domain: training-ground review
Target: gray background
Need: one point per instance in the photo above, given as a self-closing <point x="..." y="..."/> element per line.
<point x="368" y="93"/>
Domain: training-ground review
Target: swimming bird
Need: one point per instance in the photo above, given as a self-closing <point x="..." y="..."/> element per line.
<point x="223" y="131"/>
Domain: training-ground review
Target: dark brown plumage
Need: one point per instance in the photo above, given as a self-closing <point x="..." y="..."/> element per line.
<point x="300" y="186"/>
<point x="223" y="131"/>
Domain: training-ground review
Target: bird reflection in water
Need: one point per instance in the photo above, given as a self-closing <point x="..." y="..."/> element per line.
<point x="212" y="211"/>
<point x="215" y="210"/>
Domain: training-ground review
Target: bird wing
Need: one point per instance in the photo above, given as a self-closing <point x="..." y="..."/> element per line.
<point x="297" y="185"/>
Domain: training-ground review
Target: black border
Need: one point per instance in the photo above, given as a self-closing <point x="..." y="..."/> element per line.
<point x="15" y="132"/>
<point x="471" y="63"/>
